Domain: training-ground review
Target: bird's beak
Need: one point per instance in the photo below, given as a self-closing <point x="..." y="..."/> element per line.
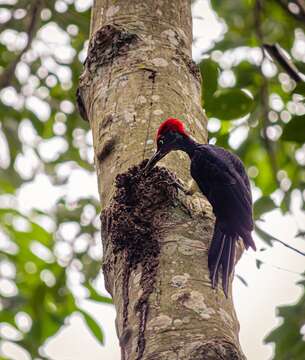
<point x="153" y="161"/>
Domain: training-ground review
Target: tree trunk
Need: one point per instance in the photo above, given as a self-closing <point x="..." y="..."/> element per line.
<point x="138" y="72"/>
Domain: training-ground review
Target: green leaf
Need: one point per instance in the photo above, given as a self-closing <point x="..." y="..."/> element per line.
<point x="40" y="234"/>
<point x="93" y="326"/>
<point x="242" y="280"/>
<point x="262" y="205"/>
<point x="94" y="295"/>
<point x="8" y="317"/>
<point x="209" y="73"/>
<point x="229" y="104"/>
<point x="300" y="234"/>
<point x="10" y="180"/>
<point x="258" y="263"/>
<point x="295" y="130"/>
<point x="300" y="88"/>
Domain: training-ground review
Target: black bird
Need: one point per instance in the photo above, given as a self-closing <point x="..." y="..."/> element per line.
<point x="221" y="177"/>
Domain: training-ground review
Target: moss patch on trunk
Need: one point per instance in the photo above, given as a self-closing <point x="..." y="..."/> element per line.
<point x="134" y="223"/>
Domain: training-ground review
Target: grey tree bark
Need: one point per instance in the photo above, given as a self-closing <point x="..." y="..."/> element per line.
<point x="138" y="72"/>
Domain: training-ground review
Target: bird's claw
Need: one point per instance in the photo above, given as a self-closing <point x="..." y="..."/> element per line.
<point x="182" y="188"/>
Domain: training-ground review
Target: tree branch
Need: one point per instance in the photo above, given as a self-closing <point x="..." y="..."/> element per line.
<point x="287" y="245"/>
<point x="301" y="4"/>
<point x="276" y="52"/>
<point x="273" y="238"/>
<point x="33" y="15"/>
<point x="299" y="17"/>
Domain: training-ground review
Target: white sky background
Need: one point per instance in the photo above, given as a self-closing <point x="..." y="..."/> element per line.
<point x="255" y="304"/>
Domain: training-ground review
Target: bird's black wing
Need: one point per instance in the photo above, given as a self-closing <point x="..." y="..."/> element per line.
<point x="222" y="178"/>
<point x="237" y="164"/>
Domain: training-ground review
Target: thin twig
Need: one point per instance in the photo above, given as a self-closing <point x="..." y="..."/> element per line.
<point x="273" y="265"/>
<point x="301" y="4"/>
<point x="273" y="238"/>
<point x="288" y="246"/>
<point x="276" y="52"/>
<point x="299" y="17"/>
<point x="33" y="15"/>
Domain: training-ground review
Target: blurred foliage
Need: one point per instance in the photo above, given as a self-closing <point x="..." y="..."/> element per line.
<point x="254" y="107"/>
<point x="38" y="257"/>
<point x="289" y="340"/>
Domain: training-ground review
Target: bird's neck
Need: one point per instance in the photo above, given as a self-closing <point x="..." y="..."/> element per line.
<point x="189" y="145"/>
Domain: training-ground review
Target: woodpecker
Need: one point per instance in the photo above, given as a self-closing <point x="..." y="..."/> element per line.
<point x="221" y="177"/>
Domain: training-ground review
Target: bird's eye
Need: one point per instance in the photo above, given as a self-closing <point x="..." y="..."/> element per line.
<point x="161" y="142"/>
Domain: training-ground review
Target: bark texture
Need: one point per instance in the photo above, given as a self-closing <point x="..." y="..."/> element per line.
<point x="138" y="72"/>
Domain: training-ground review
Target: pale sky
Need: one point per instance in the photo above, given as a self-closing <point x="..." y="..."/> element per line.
<point x="255" y="304"/>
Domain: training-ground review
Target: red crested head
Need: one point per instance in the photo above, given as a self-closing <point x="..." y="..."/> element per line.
<point x="171" y="124"/>
<point x="171" y="136"/>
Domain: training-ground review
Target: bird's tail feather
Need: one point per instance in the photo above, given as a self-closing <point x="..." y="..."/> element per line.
<point x="248" y="241"/>
<point x="227" y="262"/>
<point x="221" y="252"/>
<point x="215" y="252"/>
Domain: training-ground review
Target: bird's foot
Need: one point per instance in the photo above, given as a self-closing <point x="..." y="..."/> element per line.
<point x="181" y="187"/>
<point x="189" y="190"/>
